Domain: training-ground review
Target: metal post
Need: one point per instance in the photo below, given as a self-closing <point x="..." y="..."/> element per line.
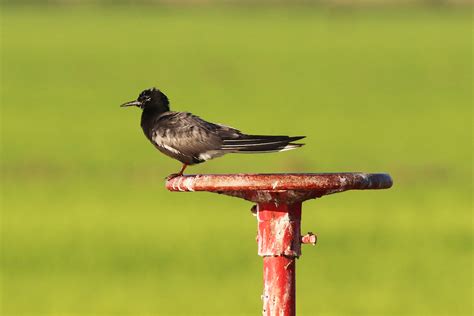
<point x="279" y="243"/>
<point x="279" y="198"/>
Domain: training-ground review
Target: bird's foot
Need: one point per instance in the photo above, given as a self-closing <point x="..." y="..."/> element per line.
<point x="179" y="174"/>
<point x="173" y="175"/>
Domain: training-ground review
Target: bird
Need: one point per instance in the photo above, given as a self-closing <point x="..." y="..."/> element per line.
<point x="192" y="140"/>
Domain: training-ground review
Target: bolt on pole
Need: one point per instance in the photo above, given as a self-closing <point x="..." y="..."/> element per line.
<point x="279" y="199"/>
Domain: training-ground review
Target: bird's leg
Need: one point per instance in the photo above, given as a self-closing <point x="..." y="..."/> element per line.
<point x="174" y="175"/>
<point x="182" y="169"/>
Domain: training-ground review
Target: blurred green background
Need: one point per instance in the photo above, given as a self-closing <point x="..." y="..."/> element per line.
<point x="89" y="229"/>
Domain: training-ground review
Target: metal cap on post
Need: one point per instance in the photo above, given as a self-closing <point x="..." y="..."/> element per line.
<point x="279" y="198"/>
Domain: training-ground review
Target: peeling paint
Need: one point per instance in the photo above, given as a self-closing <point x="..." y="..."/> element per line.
<point x="318" y="183"/>
<point x="279" y="286"/>
<point x="275" y="184"/>
<point x="279" y="230"/>
<point x="188" y="184"/>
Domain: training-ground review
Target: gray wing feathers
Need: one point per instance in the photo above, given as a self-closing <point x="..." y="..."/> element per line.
<point x="191" y="139"/>
<point x="261" y="143"/>
<point x="187" y="135"/>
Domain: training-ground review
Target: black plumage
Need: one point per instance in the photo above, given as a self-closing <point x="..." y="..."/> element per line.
<point x="191" y="140"/>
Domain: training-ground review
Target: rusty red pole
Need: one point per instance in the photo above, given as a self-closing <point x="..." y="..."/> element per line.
<point x="279" y="198"/>
<point x="279" y="243"/>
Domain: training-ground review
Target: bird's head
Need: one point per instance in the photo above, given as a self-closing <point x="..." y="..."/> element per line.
<point x="150" y="99"/>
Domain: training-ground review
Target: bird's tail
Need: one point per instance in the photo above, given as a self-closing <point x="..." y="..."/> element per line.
<point x="261" y="143"/>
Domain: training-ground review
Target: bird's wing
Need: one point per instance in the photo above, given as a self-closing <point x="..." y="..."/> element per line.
<point x="188" y="135"/>
<point x="191" y="139"/>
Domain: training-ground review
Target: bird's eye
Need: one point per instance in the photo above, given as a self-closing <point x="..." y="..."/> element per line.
<point x="145" y="96"/>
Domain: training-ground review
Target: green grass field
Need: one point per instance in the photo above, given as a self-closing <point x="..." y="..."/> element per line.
<point x="88" y="228"/>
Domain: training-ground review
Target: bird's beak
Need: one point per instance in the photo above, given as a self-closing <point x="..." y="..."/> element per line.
<point x="131" y="103"/>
